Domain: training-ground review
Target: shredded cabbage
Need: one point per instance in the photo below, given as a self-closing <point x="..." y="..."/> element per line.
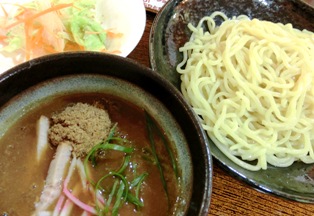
<point x="14" y="44"/>
<point x="87" y="33"/>
<point x="81" y="22"/>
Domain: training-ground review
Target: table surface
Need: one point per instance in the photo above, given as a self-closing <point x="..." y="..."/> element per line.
<point x="230" y="196"/>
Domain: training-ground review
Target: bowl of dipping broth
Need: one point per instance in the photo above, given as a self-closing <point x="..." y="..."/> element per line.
<point x="90" y="133"/>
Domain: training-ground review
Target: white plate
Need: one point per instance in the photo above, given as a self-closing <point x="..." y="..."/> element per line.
<point x="122" y="16"/>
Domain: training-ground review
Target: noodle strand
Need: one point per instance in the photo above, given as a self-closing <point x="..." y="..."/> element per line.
<point x="251" y="82"/>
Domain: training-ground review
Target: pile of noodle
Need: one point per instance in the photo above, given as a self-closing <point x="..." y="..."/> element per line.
<point x="251" y="83"/>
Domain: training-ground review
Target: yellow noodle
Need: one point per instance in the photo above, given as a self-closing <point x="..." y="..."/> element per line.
<point x="251" y="82"/>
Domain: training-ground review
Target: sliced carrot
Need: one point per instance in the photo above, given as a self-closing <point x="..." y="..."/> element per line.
<point x="20" y="12"/>
<point x="2" y="37"/>
<point x="14" y="4"/>
<point x="37" y="41"/>
<point x="114" y="34"/>
<point x="28" y="40"/>
<point x="112" y="51"/>
<point x="32" y="40"/>
<point x="38" y="36"/>
<point x="4" y="11"/>
<point x="3" y="40"/>
<point x="6" y="14"/>
<point x="31" y="18"/>
<point x="49" y="49"/>
<point x="71" y="46"/>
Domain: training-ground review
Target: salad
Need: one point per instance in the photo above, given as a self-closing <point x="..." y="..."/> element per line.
<point x="39" y="27"/>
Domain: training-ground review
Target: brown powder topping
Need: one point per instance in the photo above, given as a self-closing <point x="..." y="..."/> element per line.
<point x="81" y="125"/>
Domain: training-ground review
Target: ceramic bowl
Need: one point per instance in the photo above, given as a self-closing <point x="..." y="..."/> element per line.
<point x="169" y="32"/>
<point x="88" y="72"/>
<point x="307" y="3"/>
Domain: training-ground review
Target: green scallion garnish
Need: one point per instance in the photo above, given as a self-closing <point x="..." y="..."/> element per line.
<point x="120" y="190"/>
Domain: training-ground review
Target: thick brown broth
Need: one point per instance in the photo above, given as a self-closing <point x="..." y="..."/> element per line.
<point x="22" y="179"/>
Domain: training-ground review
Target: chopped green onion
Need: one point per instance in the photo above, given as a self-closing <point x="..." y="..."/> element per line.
<point x="111" y="195"/>
<point x="165" y="142"/>
<point x="105" y="145"/>
<point x="124" y="164"/>
<point x="121" y="193"/>
<point x="150" y="124"/>
<point x="136" y="183"/>
<point x="120" y="148"/>
<point x="136" y="201"/>
<point x="123" y="189"/>
<point x="138" y="180"/>
<point x="120" y="190"/>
